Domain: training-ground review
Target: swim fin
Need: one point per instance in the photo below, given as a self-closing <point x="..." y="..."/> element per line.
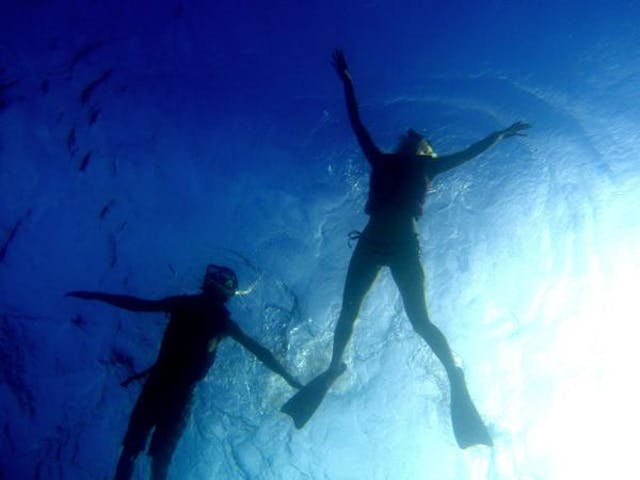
<point x="468" y="427"/>
<point x="303" y="404"/>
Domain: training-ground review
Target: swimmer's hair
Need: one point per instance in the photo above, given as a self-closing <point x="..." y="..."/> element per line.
<point x="413" y="143"/>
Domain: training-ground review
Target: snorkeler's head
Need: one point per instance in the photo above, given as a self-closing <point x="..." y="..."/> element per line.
<point x="220" y="280"/>
<point x="412" y="143"/>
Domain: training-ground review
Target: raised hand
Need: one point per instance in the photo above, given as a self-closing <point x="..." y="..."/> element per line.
<point x="339" y="63"/>
<point x="79" y="294"/>
<point x="515" y="129"/>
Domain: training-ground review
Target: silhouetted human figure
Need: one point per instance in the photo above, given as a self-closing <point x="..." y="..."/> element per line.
<point x="397" y="191"/>
<point x="196" y="325"/>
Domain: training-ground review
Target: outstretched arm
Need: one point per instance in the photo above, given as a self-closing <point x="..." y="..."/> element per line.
<point x="262" y="354"/>
<point x="446" y="162"/>
<point x="126" y="302"/>
<point x="369" y="148"/>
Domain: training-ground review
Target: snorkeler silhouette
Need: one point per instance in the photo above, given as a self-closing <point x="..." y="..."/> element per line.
<point x="196" y="325"/>
<point x="397" y="191"/>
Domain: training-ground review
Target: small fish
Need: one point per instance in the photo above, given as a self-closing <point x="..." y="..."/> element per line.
<point x="134" y="377"/>
<point x="121" y="228"/>
<point x="84" y="52"/>
<point x="79" y="321"/>
<point x="91" y="86"/>
<point x="93" y="115"/>
<point x="85" y="161"/>
<point x="71" y="140"/>
<point x="121" y="358"/>
<point x="4" y="99"/>
<point x="44" y="86"/>
<point x="12" y="235"/>
<point x="6" y="86"/>
<point x="106" y="209"/>
<point x="113" y="251"/>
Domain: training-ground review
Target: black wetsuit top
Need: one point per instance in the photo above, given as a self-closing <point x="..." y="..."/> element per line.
<point x="399" y="182"/>
<point x="189" y="343"/>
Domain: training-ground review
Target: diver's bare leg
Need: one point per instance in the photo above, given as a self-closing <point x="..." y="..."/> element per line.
<point x="360" y="276"/>
<point x="409" y="276"/>
<point x="468" y="427"/>
<point x="467" y="424"/>
<point x="168" y="431"/>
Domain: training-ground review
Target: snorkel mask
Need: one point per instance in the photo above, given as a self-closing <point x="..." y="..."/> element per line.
<point x="221" y="279"/>
<point x="413" y="143"/>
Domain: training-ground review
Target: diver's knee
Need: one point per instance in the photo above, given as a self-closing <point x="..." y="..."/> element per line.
<point x="347" y="318"/>
<point x="423" y="327"/>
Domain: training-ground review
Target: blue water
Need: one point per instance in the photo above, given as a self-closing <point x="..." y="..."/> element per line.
<point x="218" y="133"/>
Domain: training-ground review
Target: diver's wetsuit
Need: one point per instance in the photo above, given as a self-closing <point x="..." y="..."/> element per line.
<point x="397" y="182"/>
<point x="187" y="352"/>
<point x="196" y="324"/>
<point x="397" y="191"/>
<point x="398" y="188"/>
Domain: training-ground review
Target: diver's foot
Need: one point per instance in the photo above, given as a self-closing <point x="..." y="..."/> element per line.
<point x="468" y="427"/>
<point x="303" y="404"/>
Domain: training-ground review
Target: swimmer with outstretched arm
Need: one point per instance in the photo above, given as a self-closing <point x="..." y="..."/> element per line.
<point x="197" y="323"/>
<point x="397" y="192"/>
